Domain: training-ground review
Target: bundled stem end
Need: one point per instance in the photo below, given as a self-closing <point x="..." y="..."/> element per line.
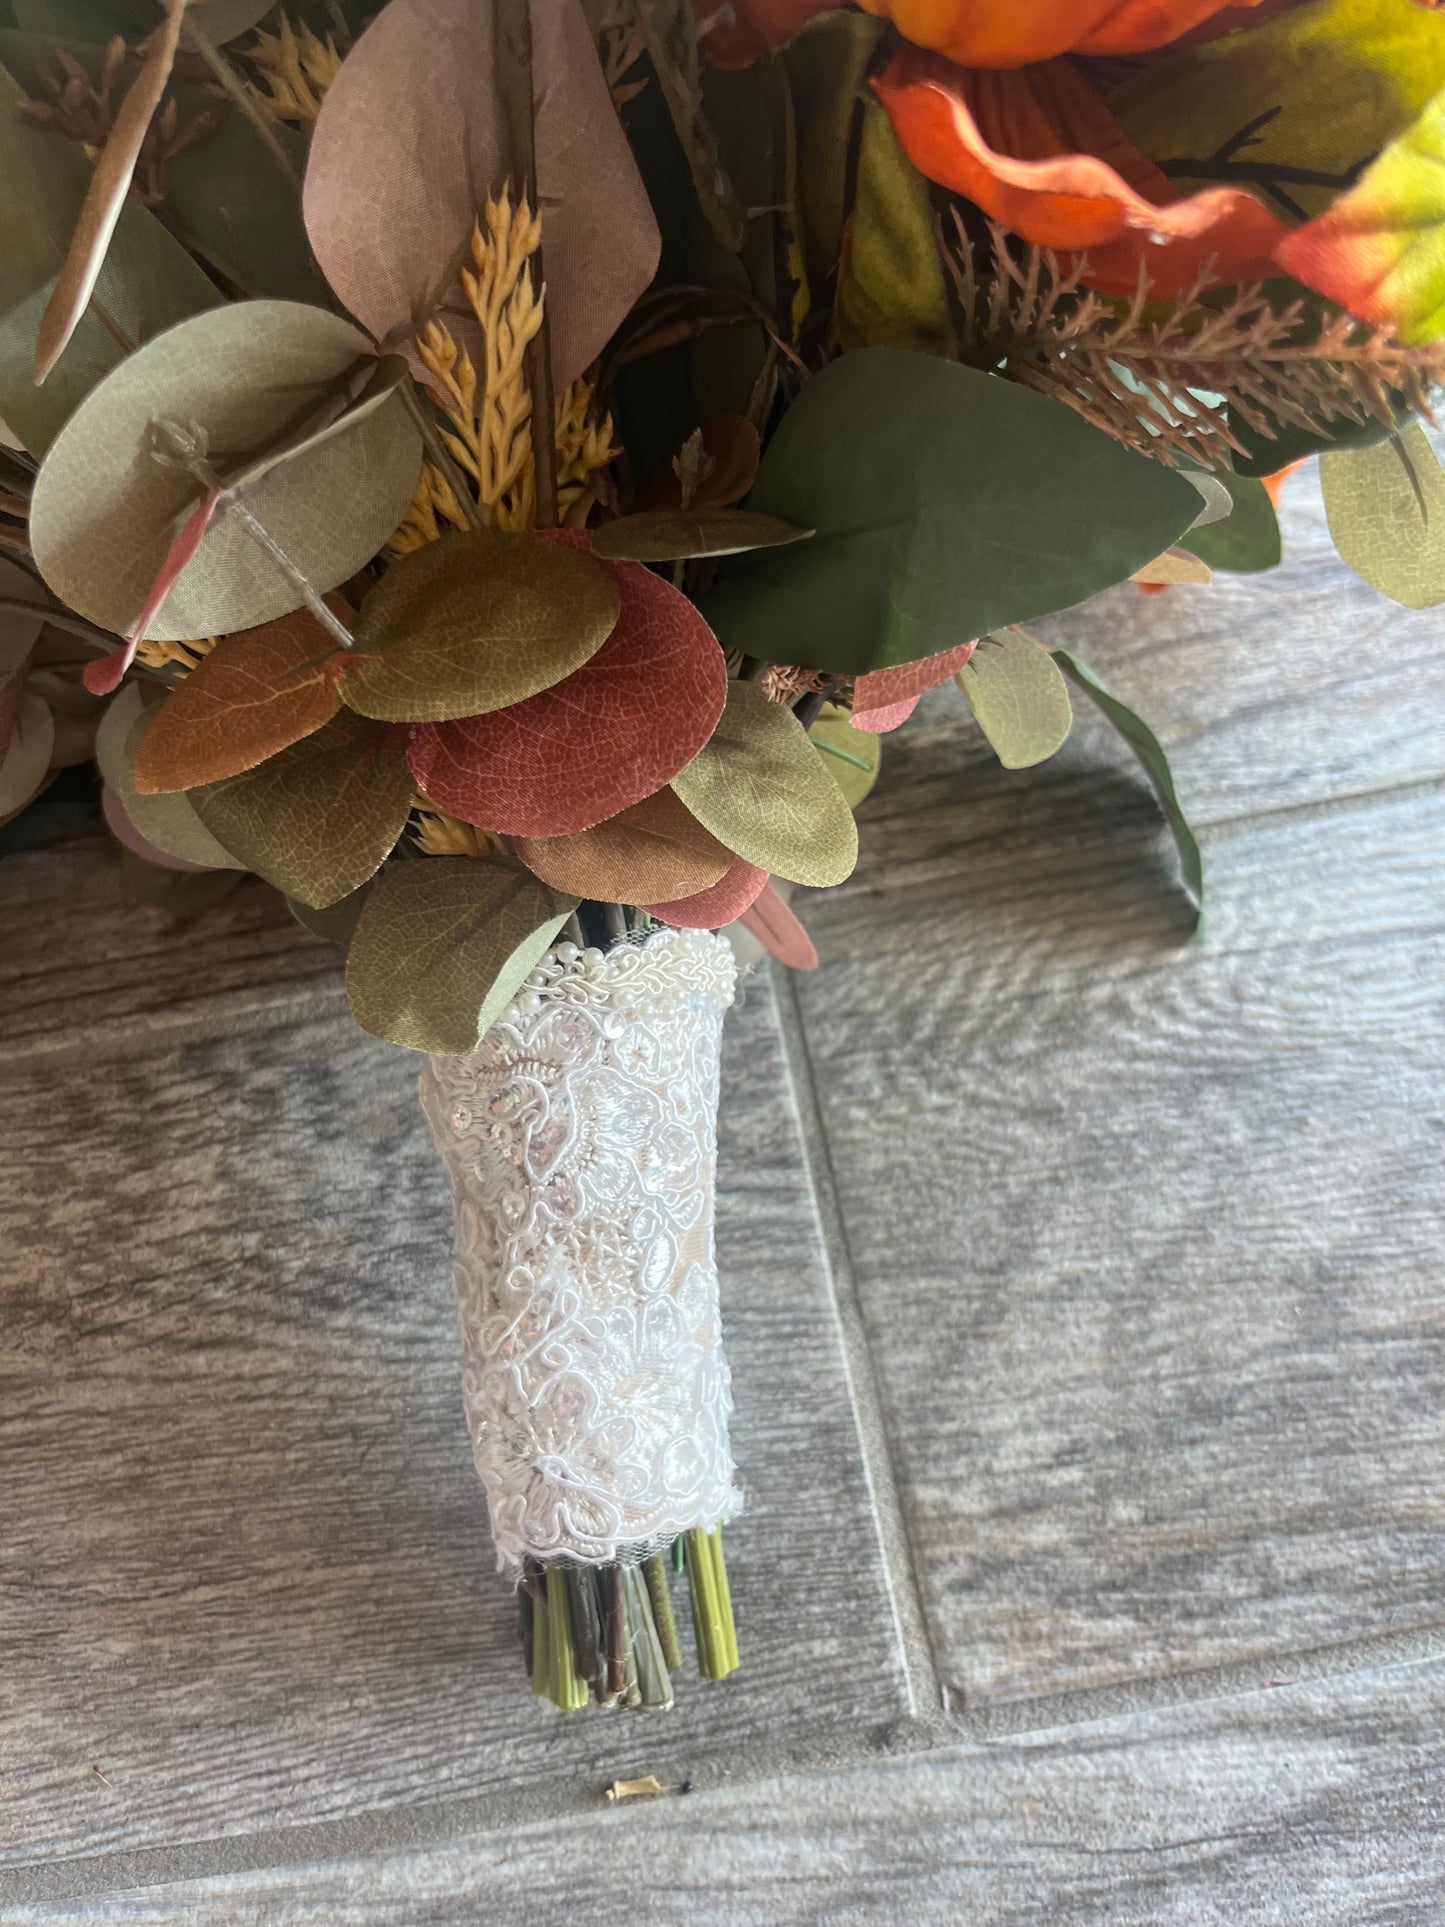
<point x="609" y="1634"/>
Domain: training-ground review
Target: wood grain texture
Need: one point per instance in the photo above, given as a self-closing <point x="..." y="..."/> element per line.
<point x="244" y="1565"/>
<point x="81" y="968"/>
<point x="1316" y="1805"/>
<point x="1162" y="1350"/>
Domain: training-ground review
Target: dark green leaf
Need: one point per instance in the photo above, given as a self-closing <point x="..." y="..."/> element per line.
<point x="1147" y="747"/>
<point x="1246" y="540"/>
<point x="336" y="923"/>
<point x="184" y="893"/>
<point x="947" y="502"/>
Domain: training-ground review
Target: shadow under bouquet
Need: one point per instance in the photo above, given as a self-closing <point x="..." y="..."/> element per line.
<point x="496" y="471"/>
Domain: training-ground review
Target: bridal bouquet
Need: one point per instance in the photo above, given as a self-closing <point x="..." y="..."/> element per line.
<point x="496" y="471"/>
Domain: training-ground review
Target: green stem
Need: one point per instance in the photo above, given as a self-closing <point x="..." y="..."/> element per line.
<point x="567" y="1688"/>
<point x="541" y="1646"/>
<point x="659" y="1593"/>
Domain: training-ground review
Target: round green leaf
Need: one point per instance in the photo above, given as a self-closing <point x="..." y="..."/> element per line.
<point x="1019" y="698"/>
<point x="674" y="535"/>
<point x="760" y="786"/>
<point x="321" y="817"/>
<point x="247" y="376"/>
<point x="850" y="756"/>
<point x="443" y="945"/>
<point x="1386" y="509"/>
<point x="947" y="502"/>
<point x="25" y="755"/>
<point x="477" y="622"/>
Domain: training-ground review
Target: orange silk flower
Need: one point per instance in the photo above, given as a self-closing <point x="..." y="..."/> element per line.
<point x="985" y="105"/>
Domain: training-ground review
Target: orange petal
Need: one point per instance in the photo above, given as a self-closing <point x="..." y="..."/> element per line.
<point x="1040" y="152"/>
<point x="977" y="33"/>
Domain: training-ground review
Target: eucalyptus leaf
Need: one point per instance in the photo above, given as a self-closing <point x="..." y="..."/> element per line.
<point x="321" y="817"/>
<point x="170" y="823"/>
<point x="1386" y="509"/>
<point x="1248" y="539"/>
<point x="851" y="756"/>
<point x="1019" y="698"/>
<point x="760" y="786"/>
<point x="147" y="283"/>
<point x="246" y="376"/>
<point x="25" y="756"/>
<point x="1147" y="747"/>
<point x="443" y="945"/>
<point x="476" y="622"/>
<point x="336" y="922"/>
<point x="184" y="893"/>
<point x="946" y="502"/>
<point x="674" y="535"/>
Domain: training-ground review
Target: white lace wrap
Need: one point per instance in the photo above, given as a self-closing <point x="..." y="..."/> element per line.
<point x="582" y="1144"/>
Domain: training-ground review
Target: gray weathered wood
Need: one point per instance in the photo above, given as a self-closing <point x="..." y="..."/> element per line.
<point x="1148" y="1238"/>
<point x="1316" y="1805"/>
<point x="244" y="1562"/>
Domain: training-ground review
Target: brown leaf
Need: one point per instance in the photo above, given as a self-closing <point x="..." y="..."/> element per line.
<point x="657" y="851"/>
<point x="741" y="885"/>
<point x="410" y="140"/>
<point x="321" y="817"/>
<point x="1173" y="567"/>
<point x="778" y="930"/>
<point x="257" y="692"/>
<point x="730" y="449"/>
<point x="106" y="195"/>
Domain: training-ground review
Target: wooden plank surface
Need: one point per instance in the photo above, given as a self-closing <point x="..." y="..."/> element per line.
<point x="1316" y="1805"/>
<point x="244" y="1566"/>
<point x="1148" y="1235"/>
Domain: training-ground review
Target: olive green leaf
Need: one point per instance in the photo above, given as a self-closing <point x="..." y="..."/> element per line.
<point x="443" y="945"/>
<point x="891" y="288"/>
<point x="148" y="280"/>
<point x="1244" y="541"/>
<point x="760" y="786"/>
<point x="184" y="893"/>
<point x="1020" y="700"/>
<point x="947" y="502"/>
<point x="673" y="535"/>
<point x="244" y="378"/>
<point x="1386" y="509"/>
<point x="321" y="817"/>
<point x="336" y="922"/>
<point x="477" y="622"/>
<point x="850" y="756"/>
<point x="1147" y="747"/>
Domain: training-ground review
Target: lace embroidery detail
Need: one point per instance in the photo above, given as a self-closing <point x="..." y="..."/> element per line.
<point x="581" y="1139"/>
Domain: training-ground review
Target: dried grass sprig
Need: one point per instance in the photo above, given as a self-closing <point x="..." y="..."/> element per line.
<point x="175" y="655"/>
<point x="437" y="834"/>
<point x="295" y="70"/>
<point x="621" y="43"/>
<point x="490" y="413"/>
<point x="1171" y="379"/>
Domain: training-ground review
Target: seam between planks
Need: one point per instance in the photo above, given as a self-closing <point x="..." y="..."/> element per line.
<point x="927" y="1691"/>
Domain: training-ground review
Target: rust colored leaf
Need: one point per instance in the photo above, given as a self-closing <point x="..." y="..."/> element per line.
<point x="614" y="731"/>
<point x="256" y="693"/>
<point x="778" y="930"/>
<point x="656" y="849"/>
<point x="105" y="197"/>
<point x="884" y="698"/>
<point x="724" y="903"/>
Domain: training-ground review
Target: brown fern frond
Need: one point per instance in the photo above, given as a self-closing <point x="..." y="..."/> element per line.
<point x="1171" y="379"/>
